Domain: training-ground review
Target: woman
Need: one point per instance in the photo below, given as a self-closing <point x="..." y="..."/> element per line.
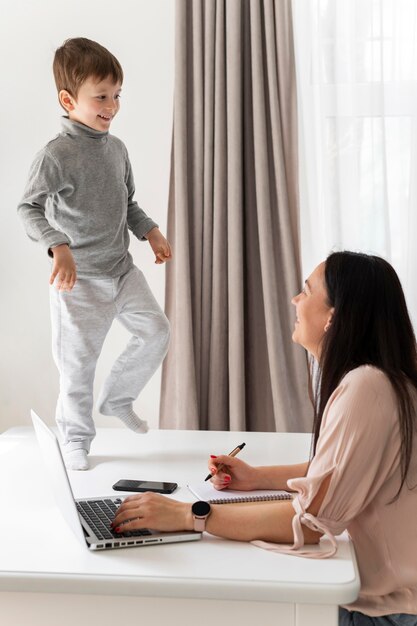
<point x="352" y="318"/>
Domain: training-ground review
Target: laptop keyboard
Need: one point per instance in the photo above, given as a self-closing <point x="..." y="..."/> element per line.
<point x="100" y="513"/>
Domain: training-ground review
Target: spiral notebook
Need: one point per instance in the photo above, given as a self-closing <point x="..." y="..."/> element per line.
<point x="206" y="492"/>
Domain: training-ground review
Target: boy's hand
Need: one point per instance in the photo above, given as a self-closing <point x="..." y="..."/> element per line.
<point x="159" y="245"/>
<point x="63" y="267"/>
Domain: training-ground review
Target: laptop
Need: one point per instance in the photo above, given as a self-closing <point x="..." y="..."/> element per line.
<point x="90" y="518"/>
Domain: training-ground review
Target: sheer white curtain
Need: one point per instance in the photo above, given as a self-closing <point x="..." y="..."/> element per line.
<point x="356" y="63"/>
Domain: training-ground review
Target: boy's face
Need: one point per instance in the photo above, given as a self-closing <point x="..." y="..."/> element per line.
<point x="96" y="104"/>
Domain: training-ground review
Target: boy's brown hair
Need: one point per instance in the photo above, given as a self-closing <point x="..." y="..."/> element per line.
<point x="79" y="59"/>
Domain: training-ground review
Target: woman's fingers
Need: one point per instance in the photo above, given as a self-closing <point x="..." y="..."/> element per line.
<point x="220" y="484"/>
<point x="127" y="508"/>
<point x="131" y="501"/>
<point x="222" y="466"/>
<point x="221" y="478"/>
<point x="132" y="515"/>
<point x="123" y="527"/>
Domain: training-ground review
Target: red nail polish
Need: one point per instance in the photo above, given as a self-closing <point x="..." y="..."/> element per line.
<point x="213" y="456"/>
<point x="118" y="529"/>
<point x="227" y="478"/>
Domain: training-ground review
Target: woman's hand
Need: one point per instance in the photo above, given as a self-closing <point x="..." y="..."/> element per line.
<point x="234" y="473"/>
<point x="151" y="510"/>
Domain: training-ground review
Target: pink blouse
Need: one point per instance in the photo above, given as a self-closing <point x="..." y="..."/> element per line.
<point x="359" y="445"/>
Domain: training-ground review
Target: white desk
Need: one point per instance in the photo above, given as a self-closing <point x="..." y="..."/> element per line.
<point x="47" y="580"/>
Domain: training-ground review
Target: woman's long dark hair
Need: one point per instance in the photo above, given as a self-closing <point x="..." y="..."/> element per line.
<point x="370" y="326"/>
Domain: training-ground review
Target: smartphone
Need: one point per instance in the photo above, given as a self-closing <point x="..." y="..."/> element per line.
<point x="144" y="485"/>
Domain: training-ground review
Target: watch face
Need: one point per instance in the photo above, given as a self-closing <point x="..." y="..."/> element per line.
<point x="201" y="508"/>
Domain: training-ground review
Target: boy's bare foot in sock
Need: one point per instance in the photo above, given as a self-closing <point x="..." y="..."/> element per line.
<point x="76" y="459"/>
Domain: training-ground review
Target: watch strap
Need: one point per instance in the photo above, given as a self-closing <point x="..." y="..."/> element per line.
<point x="200" y="523"/>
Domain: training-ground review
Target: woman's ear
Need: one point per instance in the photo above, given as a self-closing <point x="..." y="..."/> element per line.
<point x="66" y="100"/>
<point x="329" y="320"/>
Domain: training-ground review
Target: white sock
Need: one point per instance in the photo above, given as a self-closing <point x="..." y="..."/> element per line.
<point x="134" y="422"/>
<point x="76" y="459"/>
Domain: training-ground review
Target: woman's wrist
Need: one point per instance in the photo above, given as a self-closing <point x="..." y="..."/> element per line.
<point x="188" y="517"/>
<point x="269" y="478"/>
<point x="258" y="478"/>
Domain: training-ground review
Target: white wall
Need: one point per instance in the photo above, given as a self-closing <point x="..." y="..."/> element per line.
<point x="141" y="35"/>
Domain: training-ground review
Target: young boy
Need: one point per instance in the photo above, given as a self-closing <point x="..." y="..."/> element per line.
<point x="78" y="204"/>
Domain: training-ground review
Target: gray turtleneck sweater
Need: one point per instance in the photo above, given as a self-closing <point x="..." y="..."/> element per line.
<point x="80" y="192"/>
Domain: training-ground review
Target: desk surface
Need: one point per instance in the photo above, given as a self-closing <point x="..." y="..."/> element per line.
<point x="46" y="556"/>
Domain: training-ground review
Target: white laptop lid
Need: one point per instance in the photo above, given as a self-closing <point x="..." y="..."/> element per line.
<point x="57" y="475"/>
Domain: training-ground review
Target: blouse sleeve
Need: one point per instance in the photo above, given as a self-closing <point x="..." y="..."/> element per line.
<point x="358" y="447"/>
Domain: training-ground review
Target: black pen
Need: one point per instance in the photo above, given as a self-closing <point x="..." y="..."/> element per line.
<point x="232" y="453"/>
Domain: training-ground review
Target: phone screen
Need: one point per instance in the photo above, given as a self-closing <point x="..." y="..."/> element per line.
<point x="148" y="485"/>
<point x="145" y="485"/>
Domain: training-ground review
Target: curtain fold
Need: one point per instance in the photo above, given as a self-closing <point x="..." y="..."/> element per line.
<point x="233" y="223"/>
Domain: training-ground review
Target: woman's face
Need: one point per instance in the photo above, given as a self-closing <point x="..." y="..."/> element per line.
<point x="313" y="313"/>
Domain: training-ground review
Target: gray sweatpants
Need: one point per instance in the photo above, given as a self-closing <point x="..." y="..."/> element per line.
<point x="81" y="320"/>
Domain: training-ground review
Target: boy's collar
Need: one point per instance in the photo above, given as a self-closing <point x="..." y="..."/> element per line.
<point x="76" y="128"/>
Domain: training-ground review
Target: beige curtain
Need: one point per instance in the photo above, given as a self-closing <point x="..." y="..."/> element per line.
<point x="233" y="223"/>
